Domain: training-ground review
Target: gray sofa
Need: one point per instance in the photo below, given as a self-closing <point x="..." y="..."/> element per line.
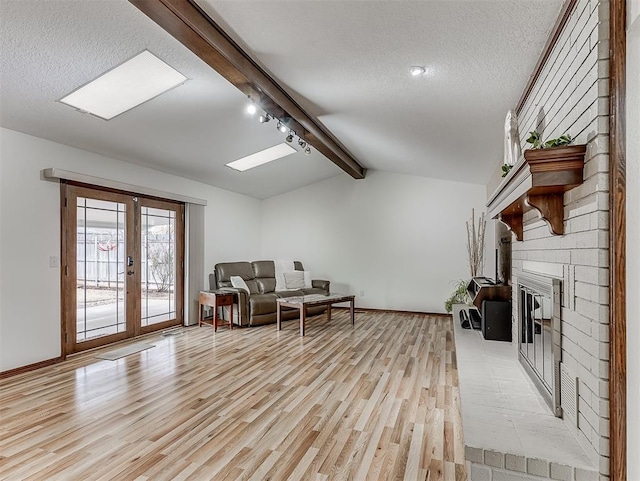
<point x="258" y="307"/>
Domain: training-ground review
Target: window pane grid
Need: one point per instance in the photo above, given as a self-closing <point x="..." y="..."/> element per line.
<point x="100" y="268"/>
<point x="159" y="265"/>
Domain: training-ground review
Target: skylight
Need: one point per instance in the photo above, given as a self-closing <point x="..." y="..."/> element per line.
<point x="262" y="157"/>
<point x="126" y="86"/>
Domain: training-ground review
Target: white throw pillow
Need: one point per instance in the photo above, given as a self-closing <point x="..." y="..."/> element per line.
<point x="294" y="280"/>
<point x="282" y="266"/>
<point x="239" y="283"/>
<point x="307" y="280"/>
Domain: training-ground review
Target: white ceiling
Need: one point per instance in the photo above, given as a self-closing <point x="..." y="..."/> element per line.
<point x="346" y="62"/>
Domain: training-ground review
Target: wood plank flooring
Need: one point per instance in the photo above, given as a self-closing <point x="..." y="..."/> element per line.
<point x="375" y="402"/>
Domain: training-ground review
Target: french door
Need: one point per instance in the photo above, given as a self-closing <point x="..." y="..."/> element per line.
<point x="122" y="266"/>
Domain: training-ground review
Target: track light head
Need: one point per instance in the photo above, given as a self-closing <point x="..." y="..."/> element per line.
<point x="251" y="107"/>
<point x="264" y="118"/>
<point x="281" y="127"/>
<point x="289" y="137"/>
<point x="307" y="150"/>
<point x="302" y="143"/>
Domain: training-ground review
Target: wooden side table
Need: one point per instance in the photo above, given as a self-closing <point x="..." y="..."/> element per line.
<point x="215" y="299"/>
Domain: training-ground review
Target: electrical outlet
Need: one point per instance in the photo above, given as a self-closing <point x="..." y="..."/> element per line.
<point x="54" y="261"/>
<point x="361" y="293"/>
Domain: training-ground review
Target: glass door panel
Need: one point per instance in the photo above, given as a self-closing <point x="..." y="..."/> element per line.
<point x="523" y="321"/>
<point x="547" y="327"/>
<point x="123" y="266"/>
<point x="529" y="317"/>
<point x="158" y="272"/>
<point x="100" y="268"/>
<point x="537" y="333"/>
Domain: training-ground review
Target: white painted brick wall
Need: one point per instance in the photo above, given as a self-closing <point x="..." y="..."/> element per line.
<point x="520" y="468"/>
<point x="571" y="96"/>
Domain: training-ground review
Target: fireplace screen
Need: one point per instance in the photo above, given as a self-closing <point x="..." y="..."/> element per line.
<point x="539" y="333"/>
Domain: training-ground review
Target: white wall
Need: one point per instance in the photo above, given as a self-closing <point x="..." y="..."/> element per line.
<point x="633" y="240"/>
<point x="30" y="234"/>
<point x="400" y="239"/>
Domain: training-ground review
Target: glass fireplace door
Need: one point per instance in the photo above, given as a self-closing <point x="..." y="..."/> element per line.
<point x="539" y="343"/>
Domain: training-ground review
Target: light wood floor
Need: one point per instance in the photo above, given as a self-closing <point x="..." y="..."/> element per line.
<point x="378" y="401"/>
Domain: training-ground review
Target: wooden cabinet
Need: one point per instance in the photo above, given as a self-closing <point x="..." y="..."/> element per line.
<point x="484" y="289"/>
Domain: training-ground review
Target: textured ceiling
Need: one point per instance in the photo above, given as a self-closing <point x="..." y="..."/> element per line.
<point x="345" y="62"/>
<point x="50" y="48"/>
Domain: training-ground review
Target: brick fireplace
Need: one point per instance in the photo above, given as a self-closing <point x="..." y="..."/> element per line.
<point x="571" y="96"/>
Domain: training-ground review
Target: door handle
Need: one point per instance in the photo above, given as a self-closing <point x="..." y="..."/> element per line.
<point x="129" y="273"/>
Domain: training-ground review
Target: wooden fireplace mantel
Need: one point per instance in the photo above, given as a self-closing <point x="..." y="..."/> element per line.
<point x="538" y="181"/>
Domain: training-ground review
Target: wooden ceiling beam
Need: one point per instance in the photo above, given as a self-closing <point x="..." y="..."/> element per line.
<point x="191" y="26"/>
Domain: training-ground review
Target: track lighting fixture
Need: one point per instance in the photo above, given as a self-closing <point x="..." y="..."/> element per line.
<point x="282" y="127"/>
<point x="290" y="136"/>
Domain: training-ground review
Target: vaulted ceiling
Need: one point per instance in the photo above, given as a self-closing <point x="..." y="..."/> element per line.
<point x="345" y="62"/>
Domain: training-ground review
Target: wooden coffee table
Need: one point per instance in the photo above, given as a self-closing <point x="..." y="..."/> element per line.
<point x="303" y="302"/>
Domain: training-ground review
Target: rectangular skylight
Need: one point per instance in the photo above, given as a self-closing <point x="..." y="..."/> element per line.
<point x="262" y="157"/>
<point x="126" y="86"/>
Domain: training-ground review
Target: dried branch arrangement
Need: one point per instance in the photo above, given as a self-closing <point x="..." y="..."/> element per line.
<point x="475" y="243"/>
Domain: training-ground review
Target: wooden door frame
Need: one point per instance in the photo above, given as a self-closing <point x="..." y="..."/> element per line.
<point x="68" y="266"/>
<point x="68" y="271"/>
<point x="617" y="241"/>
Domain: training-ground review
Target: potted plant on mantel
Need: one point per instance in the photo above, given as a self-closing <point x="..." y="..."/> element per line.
<point x="555" y="167"/>
<point x="561" y="148"/>
<point x="552" y="150"/>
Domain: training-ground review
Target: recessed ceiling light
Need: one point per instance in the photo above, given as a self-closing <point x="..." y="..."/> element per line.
<point x="262" y="157"/>
<point x="126" y="86"/>
<point x="417" y="70"/>
<point x="251" y="108"/>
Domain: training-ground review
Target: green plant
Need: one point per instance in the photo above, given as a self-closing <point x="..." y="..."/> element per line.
<point x="535" y="139"/>
<point x="559" y="142"/>
<point x="458" y="296"/>
<point x="506" y="168"/>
